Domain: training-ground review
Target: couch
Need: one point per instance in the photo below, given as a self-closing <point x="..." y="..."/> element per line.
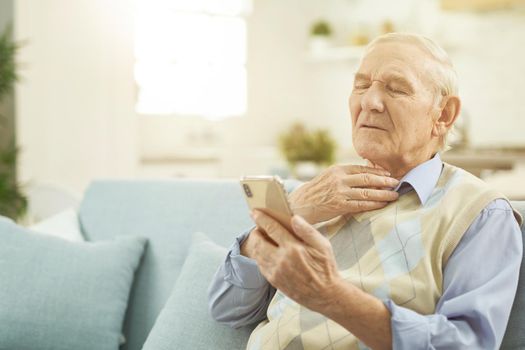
<point x="168" y="213"/>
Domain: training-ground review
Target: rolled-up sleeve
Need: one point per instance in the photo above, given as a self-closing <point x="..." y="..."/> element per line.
<point x="479" y="286"/>
<point x="239" y="294"/>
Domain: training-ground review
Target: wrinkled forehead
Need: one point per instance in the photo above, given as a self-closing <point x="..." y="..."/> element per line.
<point x="399" y="59"/>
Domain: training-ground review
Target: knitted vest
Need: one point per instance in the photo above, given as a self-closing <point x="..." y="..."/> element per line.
<point x="397" y="252"/>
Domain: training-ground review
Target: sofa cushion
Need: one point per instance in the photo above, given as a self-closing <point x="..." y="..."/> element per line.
<point x="167" y="212"/>
<point x="515" y="334"/>
<point x="56" y="294"/>
<point x="185" y="318"/>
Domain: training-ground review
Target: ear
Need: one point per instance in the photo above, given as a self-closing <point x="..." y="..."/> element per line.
<point x="449" y="112"/>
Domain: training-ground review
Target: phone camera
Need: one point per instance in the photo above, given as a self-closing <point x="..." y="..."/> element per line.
<point x="247" y="190"/>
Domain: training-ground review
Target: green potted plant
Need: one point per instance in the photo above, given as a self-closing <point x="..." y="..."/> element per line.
<point x="13" y="203"/>
<point x="320" y="35"/>
<point x="321" y="28"/>
<point x="305" y="151"/>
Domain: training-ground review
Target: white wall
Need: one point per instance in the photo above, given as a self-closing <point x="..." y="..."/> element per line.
<point x="489" y="54"/>
<point x="75" y="101"/>
<point x="282" y="85"/>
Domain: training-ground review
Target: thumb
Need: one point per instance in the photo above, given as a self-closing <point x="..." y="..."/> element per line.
<point x="306" y="232"/>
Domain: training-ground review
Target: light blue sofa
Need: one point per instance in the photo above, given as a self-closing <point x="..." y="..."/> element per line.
<point x="167" y="212"/>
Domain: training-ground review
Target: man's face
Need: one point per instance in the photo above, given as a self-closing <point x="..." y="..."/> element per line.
<point x="392" y="105"/>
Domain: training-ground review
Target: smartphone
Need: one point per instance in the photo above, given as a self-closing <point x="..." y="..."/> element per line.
<point x="267" y="193"/>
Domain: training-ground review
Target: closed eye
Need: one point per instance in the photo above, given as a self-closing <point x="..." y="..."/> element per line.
<point x="396" y="90"/>
<point x="361" y="86"/>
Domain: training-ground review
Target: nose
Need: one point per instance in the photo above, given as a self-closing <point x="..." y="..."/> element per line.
<point x="372" y="99"/>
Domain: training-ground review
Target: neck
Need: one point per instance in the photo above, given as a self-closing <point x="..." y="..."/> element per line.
<point x="399" y="167"/>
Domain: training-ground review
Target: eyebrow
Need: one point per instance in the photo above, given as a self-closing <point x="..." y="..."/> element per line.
<point x="361" y="76"/>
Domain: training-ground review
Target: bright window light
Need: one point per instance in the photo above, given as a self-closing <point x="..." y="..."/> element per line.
<point x="191" y="57"/>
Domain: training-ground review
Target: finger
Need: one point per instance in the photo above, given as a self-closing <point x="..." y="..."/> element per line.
<point x="361" y="206"/>
<point x="370" y="180"/>
<point x="307" y="232"/>
<point x="264" y="236"/>
<point x="271" y="227"/>
<point x="373" y="165"/>
<point x="263" y="242"/>
<point x="369" y="194"/>
<point x="264" y="250"/>
<point x="358" y="169"/>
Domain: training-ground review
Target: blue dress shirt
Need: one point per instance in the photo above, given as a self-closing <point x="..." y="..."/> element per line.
<point x="479" y="281"/>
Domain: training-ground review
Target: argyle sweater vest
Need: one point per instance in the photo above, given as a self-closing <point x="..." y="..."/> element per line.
<point x="397" y="252"/>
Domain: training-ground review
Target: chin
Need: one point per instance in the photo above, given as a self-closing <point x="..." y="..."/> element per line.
<point x="370" y="150"/>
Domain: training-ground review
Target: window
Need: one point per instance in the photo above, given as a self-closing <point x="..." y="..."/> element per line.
<point x="191" y="57"/>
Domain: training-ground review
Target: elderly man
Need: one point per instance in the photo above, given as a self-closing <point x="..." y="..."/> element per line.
<point x="407" y="252"/>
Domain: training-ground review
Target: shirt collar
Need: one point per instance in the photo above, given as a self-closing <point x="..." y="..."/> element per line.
<point x="422" y="178"/>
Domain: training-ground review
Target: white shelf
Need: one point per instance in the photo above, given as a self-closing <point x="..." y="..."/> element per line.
<point x="339" y="53"/>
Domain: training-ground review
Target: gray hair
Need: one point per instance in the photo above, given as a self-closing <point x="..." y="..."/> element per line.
<point x="445" y="79"/>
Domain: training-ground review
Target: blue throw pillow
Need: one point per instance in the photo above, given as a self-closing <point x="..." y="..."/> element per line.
<point x="184" y="322"/>
<point x="56" y="294"/>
